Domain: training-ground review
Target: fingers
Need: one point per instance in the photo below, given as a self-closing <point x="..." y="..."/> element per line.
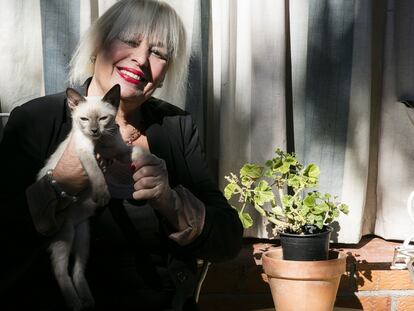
<point x="148" y="182"/>
<point x="148" y="193"/>
<point x="147" y="159"/>
<point x="150" y="177"/>
<point x="69" y="172"/>
<point x="151" y="169"/>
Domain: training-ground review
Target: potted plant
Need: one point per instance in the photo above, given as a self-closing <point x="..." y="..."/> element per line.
<point x="284" y="192"/>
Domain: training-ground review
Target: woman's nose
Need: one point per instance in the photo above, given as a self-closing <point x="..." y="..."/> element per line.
<point x="141" y="53"/>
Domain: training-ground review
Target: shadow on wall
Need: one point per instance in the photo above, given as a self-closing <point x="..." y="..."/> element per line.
<point x="328" y="87"/>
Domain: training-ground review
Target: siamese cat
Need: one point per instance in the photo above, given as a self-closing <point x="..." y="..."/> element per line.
<point x="94" y="131"/>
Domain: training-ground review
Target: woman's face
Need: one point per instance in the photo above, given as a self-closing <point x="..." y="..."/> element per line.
<point x="138" y="66"/>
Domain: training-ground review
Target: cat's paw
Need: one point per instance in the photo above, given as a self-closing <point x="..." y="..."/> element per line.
<point x="136" y="152"/>
<point x="101" y="195"/>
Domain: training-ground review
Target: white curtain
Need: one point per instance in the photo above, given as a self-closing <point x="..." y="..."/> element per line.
<point x="249" y="83"/>
<point x="396" y="147"/>
<point x="321" y="77"/>
<point x="21" y="77"/>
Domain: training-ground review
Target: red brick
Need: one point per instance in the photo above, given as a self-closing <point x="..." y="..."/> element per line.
<point x="370" y="249"/>
<point x="371" y="279"/>
<point x="375" y="303"/>
<point x="405" y="303"/>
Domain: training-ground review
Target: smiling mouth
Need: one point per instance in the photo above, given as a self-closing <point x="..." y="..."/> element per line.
<point x="132" y="77"/>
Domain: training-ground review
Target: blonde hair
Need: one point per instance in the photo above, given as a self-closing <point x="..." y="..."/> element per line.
<point x="153" y="19"/>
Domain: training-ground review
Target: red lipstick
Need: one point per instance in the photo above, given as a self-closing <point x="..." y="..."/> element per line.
<point x="130" y="79"/>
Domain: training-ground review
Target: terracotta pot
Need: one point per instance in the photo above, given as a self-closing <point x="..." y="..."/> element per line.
<point x="303" y="285"/>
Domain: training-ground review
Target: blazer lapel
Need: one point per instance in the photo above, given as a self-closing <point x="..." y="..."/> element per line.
<point x="160" y="145"/>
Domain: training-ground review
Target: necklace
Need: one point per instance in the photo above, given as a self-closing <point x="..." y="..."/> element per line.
<point x="133" y="136"/>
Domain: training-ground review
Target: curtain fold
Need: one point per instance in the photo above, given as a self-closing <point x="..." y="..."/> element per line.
<point x="251" y="85"/>
<point x="60" y="34"/>
<point x="331" y="77"/>
<point x="21" y="77"/>
<point x="396" y="150"/>
<point x="322" y="76"/>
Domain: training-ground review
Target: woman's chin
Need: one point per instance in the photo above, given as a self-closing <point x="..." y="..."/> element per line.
<point x="130" y="90"/>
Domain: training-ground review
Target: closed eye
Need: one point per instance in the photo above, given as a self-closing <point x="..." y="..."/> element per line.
<point x="131" y="43"/>
<point x="84" y="119"/>
<point x="103" y="118"/>
<point x="155" y="51"/>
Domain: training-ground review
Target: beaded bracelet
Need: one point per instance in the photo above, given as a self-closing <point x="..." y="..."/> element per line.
<point x="60" y="192"/>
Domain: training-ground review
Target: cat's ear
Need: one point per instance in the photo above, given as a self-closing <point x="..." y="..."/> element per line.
<point x="113" y="96"/>
<point x="74" y="98"/>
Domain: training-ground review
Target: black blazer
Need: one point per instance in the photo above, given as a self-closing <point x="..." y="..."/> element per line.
<point x="33" y="132"/>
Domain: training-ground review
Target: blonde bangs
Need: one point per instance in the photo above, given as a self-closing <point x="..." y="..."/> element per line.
<point x="152" y="20"/>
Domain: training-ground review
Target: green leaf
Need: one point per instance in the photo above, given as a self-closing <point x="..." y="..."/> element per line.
<point x="286" y="200"/>
<point x="309" y="201"/>
<point x="284" y="168"/>
<point x="312" y="170"/>
<point x="318" y="210"/>
<point x="294" y="181"/>
<point x="252" y="171"/>
<point x="344" y="208"/>
<point x="311" y="219"/>
<point x="246" y="220"/>
<point x="319" y="224"/>
<point x="291" y="160"/>
<point x="278" y="211"/>
<point x="263" y="193"/>
<point x="304" y="210"/>
<point x="327" y="196"/>
<point x="229" y="190"/>
<point x="247" y="181"/>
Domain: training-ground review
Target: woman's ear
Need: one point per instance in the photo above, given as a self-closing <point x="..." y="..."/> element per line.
<point x="113" y="96"/>
<point x="74" y="98"/>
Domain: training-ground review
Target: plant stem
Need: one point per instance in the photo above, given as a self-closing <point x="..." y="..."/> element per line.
<point x="244" y="200"/>
<point x="297" y="192"/>
<point x="326" y="217"/>
<point x="280" y="190"/>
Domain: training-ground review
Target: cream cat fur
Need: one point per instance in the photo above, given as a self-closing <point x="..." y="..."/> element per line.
<point x="93" y="130"/>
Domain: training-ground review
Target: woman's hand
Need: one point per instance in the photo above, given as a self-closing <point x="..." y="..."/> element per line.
<point x="69" y="172"/>
<point x="151" y="181"/>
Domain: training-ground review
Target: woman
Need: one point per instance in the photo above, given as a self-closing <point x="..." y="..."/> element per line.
<point x="165" y="210"/>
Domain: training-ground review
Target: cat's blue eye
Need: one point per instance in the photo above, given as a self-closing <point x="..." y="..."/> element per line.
<point x="103" y="118"/>
<point x="84" y="119"/>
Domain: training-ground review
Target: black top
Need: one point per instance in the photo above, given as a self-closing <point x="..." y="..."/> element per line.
<point x="33" y="132"/>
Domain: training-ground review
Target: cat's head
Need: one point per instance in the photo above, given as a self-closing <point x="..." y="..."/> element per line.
<point x="94" y="116"/>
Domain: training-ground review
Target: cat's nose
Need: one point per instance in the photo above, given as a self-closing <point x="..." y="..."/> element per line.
<point x="94" y="131"/>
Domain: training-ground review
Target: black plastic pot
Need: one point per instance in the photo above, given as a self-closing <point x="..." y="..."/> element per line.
<point x="306" y="247"/>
